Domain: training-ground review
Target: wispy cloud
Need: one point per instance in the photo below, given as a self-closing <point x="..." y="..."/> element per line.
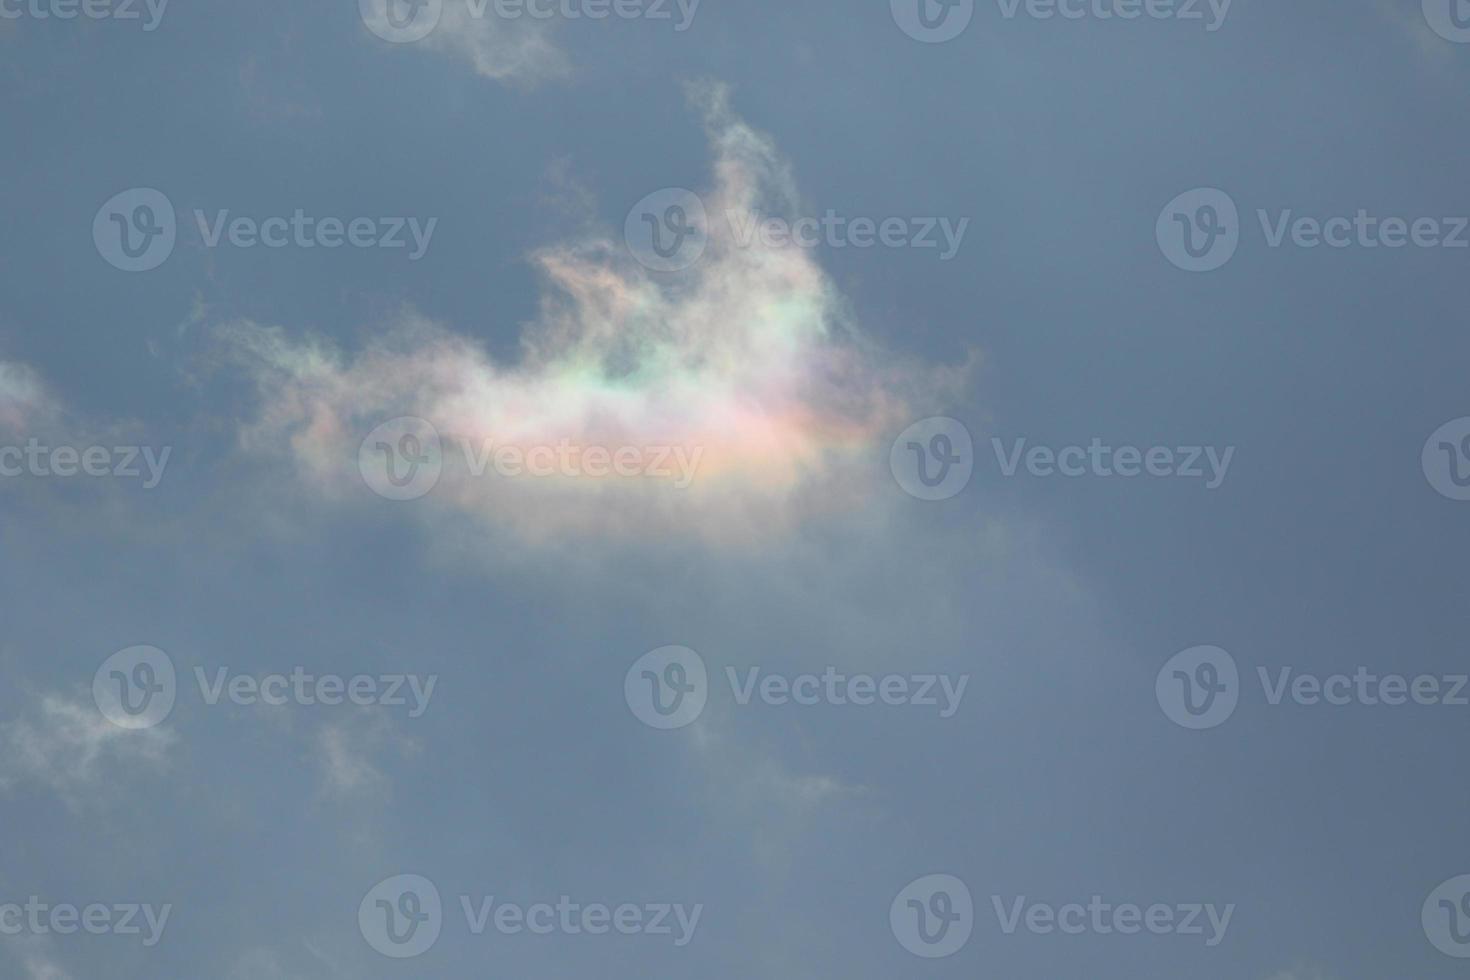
<point x="23" y="398"/>
<point x="64" y="745"/>
<point x="346" y="750"/>
<point x="514" y="50"/>
<point x="749" y="363"/>
<point x="1408" y="17"/>
<point x="518" y="50"/>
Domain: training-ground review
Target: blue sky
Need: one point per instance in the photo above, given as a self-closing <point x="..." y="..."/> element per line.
<point x="876" y="443"/>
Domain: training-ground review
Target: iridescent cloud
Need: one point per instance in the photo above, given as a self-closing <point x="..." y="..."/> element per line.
<point x="748" y="364"/>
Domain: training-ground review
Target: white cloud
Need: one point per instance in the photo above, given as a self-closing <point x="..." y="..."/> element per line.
<point x="1408" y="17"/>
<point x="512" y="50"/>
<point x="749" y="367"/>
<point x="23" y="398"/>
<point x="345" y="751"/>
<point x="518" y="50"/>
<point x="66" y="744"/>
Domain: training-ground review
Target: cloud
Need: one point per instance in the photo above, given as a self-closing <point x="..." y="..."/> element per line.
<point x="36" y="958"/>
<point x="518" y="50"/>
<point x="43" y="968"/>
<point x="24" y="400"/>
<point x="345" y="750"/>
<point x="507" y="49"/>
<point x="64" y="749"/>
<point x="742" y="384"/>
<point x="1408" y="17"/>
<point x="261" y="964"/>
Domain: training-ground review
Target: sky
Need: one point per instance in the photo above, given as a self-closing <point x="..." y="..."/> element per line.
<point x="649" y="488"/>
